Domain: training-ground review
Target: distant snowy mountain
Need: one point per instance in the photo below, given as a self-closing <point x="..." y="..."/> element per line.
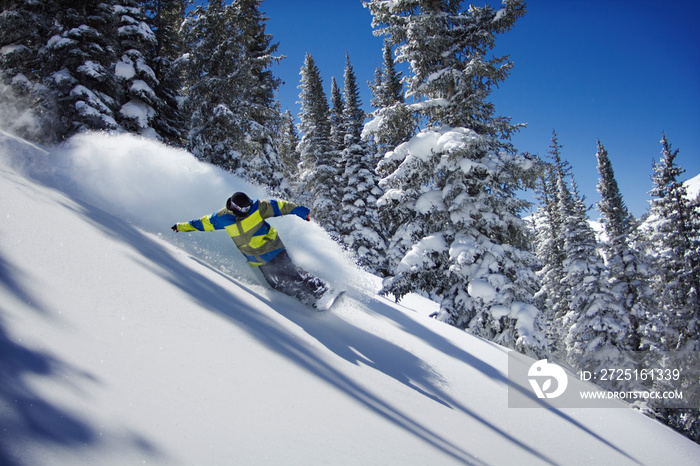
<point x="124" y="343"/>
<point x="693" y="186"/>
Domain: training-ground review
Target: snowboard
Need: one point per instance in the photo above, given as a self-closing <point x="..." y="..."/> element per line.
<point x="329" y="300"/>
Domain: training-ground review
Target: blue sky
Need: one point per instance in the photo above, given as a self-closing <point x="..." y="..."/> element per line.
<point x="622" y="71"/>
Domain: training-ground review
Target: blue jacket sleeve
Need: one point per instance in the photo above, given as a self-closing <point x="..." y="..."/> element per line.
<point x="216" y="221"/>
<point x="301" y="211"/>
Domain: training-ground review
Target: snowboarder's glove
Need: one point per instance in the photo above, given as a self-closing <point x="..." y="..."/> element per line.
<point x="308" y="217"/>
<point x="301" y="212"/>
<point x="174" y="228"/>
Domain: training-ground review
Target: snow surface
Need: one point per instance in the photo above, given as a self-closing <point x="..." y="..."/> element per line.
<point x="122" y="342"/>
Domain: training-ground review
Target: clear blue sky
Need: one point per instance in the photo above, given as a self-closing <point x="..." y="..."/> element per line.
<point x="622" y="71"/>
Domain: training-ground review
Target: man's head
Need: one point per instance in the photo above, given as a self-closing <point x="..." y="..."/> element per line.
<point x="239" y="204"/>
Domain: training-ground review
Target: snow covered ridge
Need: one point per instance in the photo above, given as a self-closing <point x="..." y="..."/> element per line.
<point x="118" y="347"/>
<point x="693" y="187"/>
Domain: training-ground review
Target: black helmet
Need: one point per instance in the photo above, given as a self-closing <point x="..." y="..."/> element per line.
<point x="239" y="204"/>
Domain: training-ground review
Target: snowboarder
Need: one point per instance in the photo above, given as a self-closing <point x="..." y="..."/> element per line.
<point x="244" y="219"/>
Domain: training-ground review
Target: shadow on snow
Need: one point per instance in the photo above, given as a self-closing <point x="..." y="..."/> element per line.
<point x="25" y="415"/>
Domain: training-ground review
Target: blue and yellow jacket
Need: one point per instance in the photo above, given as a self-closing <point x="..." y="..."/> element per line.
<point x="253" y="236"/>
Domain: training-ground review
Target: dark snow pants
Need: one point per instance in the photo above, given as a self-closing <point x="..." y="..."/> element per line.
<point x="283" y="275"/>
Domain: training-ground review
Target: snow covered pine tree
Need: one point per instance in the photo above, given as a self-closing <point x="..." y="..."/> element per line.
<point x="85" y="66"/>
<point x="629" y="271"/>
<point x="672" y="239"/>
<point x="360" y="228"/>
<point x="458" y="176"/>
<point x="230" y="93"/>
<point x="319" y="165"/>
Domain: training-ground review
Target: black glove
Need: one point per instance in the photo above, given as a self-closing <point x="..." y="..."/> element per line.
<point x="174" y="228"/>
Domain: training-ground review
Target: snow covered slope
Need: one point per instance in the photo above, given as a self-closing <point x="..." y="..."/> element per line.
<point x="123" y="343"/>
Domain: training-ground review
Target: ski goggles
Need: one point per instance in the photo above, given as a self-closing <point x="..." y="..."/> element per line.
<point x="236" y="208"/>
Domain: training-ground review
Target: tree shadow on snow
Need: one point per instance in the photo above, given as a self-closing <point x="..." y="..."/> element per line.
<point x="26" y="417"/>
<point x="26" y="413"/>
<point x="356" y="345"/>
<point x="437" y="341"/>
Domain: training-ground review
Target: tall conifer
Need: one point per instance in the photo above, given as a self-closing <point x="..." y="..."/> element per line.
<point x="233" y="116"/>
<point x="549" y="248"/>
<point x="76" y="63"/>
<point x="337" y="111"/>
<point x="166" y="18"/>
<point x="28" y="107"/>
<point x="595" y="325"/>
<point x="360" y="228"/>
<point x="671" y="234"/>
<point x="672" y="231"/>
<point x="456" y="178"/>
<point x="288" y="146"/>
<point x="319" y="165"/>
<point x="629" y="272"/>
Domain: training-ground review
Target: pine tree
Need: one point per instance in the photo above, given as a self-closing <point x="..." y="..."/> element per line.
<point x="616" y="219"/>
<point x="457" y="177"/>
<point x="386" y="88"/>
<point x="353" y="115"/>
<point x="549" y="238"/>
<point x="585" y="317"/>
<point x="318" y="161"/>
<point x="136" y="45"/>
<point x="451" y="75"/>
<point x="393" y="122"/>
<point x="88" y="66"/>
<point x="209" y="67"/>
<point x="629" y="273"/>
<point x="359" y="228"/>
<point x="672" y="231"/>
<point x="375" y="88"/>
<point x="234" y="119"/>
<point x="27" y="107"/>
<point x="596" y="325"/>
<point x="166" y="18"/>
<point x="392" y="89"/>
<point x="314" y="116"/>
<point x="24" y="27"/>
<point x="76" y="63"/>
<point x="671" y="235"/>
<point x="289" y="141"/>
<point x="258" y="102"/>
<point x="337" y="110"/>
